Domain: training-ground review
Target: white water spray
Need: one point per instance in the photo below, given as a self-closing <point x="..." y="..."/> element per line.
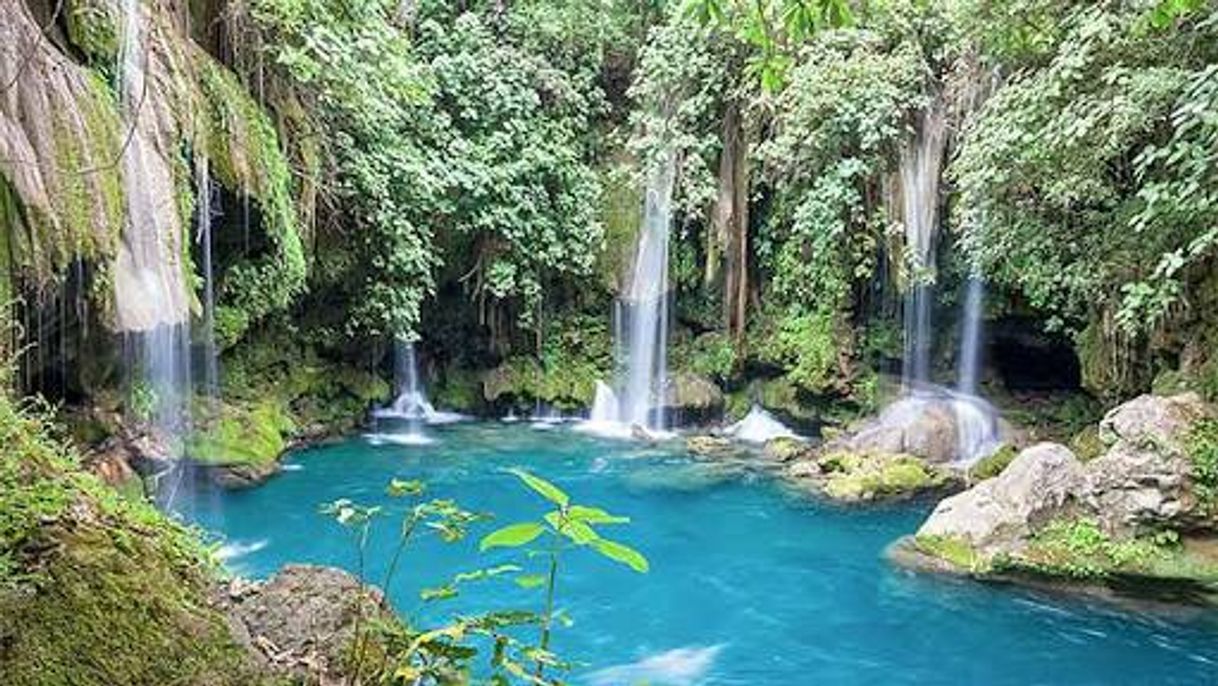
<point x="410" y="405"/>
<point x="203" y="209"/>
<point x="921" y="164"/>
<point x="641" y="320"/>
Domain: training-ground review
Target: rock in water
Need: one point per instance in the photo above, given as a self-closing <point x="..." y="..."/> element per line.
<point x="1000" y="513"/>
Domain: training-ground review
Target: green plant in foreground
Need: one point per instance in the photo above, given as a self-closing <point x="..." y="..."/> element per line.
<point x="395" y="652"/>
<point x="566" y="527"/>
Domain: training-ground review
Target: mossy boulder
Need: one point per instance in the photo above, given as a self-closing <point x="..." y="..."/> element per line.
<point x="240" y="444"/>
<point x="858" y="477"/>
<point x="1140" y="516"/>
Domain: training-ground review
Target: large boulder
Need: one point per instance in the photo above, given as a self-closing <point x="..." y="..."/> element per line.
<point x="999" y="514"/>
<point x="925" y="427"/>
<point x="303" y="620"/>
<point x="868" y="476"/>
<point x="1144" y="481"/>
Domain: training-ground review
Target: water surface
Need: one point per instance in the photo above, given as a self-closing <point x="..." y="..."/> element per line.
<point x="750" y="584"/>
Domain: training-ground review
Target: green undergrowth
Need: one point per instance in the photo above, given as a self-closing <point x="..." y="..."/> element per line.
<point x="97" y="589"/>
<point x="1201" y="446"/>
<point x="1077" y="548"/>
<point x="312" y="392"/>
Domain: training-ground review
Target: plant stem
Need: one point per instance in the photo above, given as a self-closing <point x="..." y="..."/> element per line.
<point x="548" y="616"/>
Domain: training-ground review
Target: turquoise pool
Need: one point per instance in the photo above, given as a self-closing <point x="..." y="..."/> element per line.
<point x="750" y="584"/>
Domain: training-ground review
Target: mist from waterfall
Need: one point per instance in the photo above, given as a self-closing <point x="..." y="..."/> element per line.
<point x="641" y="320"/>
<point x="920" y="173"/>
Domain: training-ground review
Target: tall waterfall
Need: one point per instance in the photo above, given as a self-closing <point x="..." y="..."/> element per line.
<point x="203" y="210"/>
<point x="150" y="291"/>
<point x="921" y="164"/>
<point x="641" y="319"/>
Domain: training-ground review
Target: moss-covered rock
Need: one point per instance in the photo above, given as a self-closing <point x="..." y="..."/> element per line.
<point x="96" y="589"/>
<point x="992" y="465"/>
<point x="856" y="477"/>
<point x="240" y="444"/>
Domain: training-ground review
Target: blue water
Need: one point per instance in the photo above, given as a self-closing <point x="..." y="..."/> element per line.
<point x="749" y="585"/>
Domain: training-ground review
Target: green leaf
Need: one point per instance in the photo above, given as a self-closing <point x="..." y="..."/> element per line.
<point x="622" y="553"/>
<point x="546" y="489"/>
<point x="578" y="532"/>
<point x="440" y="593"/>
<point x="530" y="580"/>
<point x="594" y="515"/>
<point x="512" y="536"/>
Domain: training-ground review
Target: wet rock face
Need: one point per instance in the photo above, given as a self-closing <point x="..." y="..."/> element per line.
<point x="301" y="621"/>
<point x="692" y="398"/>
<point x="998" y="514"/>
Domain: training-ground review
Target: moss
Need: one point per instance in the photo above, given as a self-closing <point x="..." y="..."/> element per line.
<point x="1078" y="548"/>
<point x="97" y="589"/>
<point x="1201" y="446"/>
<point x="1087" y="444"/>
<point x="869" y="476"/>
<point x="954" y="550"/>
<point x="460" y="389"/>
<point x="241" y="434"/>
<point x="243" y="149"/>
<point x="992" y="465"/>
<point x="94" y="27"/>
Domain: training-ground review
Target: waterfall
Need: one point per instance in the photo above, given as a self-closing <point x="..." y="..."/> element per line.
<point x="410" y="407"/>
<point x="759" y="426"/>
<point x="149" y="283"/>
<point x="203" y="210"/>
<point x="970" y="337"/>
<point x="641" y="317"/>
<point x="921" y="163"/>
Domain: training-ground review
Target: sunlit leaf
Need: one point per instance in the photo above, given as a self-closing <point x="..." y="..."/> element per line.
<point x="621" y="553"/>
<point x="546" y="489"/>
<point x="512" y="536"/>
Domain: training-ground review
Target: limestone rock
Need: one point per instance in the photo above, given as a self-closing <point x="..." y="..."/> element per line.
<point x="1000" y="513"/>
<point x="710" y="446"/>
<point x="302" y="620"/>
<point x="1152" y="419"/>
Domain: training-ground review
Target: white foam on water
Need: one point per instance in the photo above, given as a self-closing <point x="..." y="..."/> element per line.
<point x="236" y="549"/>
<point x="678" y="667"/>
<point x="411" y="438"/>
<point x="759" y="426"/>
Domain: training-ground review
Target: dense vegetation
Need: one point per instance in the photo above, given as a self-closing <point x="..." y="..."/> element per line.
<point x="472" y="172"/>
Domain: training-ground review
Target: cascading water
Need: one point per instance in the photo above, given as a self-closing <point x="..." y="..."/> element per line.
<point x="410" y="406"/>
<point x="921" y="164"/>
<point x="641" y="320"/>
<point x="150" y="291"/>
<point x="977" y="432"/>
<point x="203" y="199"/>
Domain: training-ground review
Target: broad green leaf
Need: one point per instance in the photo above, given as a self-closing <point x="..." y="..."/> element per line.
<point x="594" y="515"/>
<point x="546" y="489"/>
<point x="512" y="536"/>
<point x="578" y="532"/>
<point x="622" y="553"/>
